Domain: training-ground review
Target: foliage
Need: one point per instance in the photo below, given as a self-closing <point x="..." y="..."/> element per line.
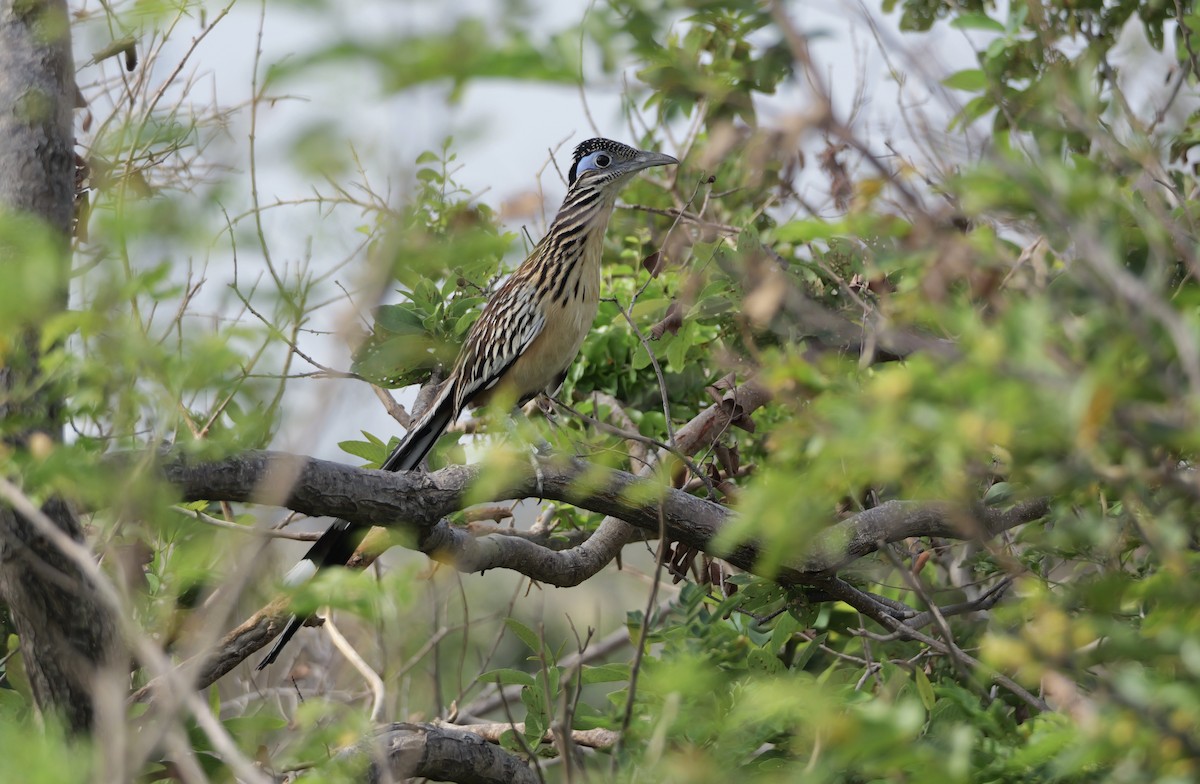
<point x="1048" y="280"/>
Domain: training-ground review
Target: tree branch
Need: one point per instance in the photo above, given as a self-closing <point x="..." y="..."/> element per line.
<point x="893" y="521"/>
<point x="402" y="751"/>
<point x="420" y="502"/>
<point x="492" y="731"/>
<point x="732" y="407"/>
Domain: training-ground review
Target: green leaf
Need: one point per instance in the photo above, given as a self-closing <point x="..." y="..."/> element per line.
<point x="12" y="704"/>
<point x="372" y="453"/>
<point x="426" y="293"/>
<point x="586" y="717"/>
<point x="972" y="111"/>
<point x="605" y="673"/>
<point x="971" y="80"/>
<point x="510" y="741"/>
<point x="536" y="718"/>
<point x="976" y="21"/>
<point x="924" y="689"/>
<point x="998" y="494"/>
<point x="765" y="662"/>
<point x="805" y="652"/>
<point x="641" y="357"/>
<point x="465" y="321"/>
<point x="255" y="725"/>
<point x="508" y="677"/>
<point x="14" y="672"/>
<point x="808" y="230"/>
<point x="402" y="319"/>
<point x="785" y="626"/>
<point x="525" y="634"/>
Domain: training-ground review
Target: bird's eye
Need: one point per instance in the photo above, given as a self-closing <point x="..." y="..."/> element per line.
<point x="603" y="160"/>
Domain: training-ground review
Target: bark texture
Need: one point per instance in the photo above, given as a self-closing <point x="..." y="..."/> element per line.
<point x="67" y="636"/>
<point x="403" y="751"/>
<point x="419" y="503"/>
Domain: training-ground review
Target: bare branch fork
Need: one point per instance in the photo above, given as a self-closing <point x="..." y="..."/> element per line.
<point x="420" y="502"/>
<point x="732" y="407"/>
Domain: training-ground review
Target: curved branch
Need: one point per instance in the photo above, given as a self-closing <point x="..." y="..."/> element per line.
<point x="893" y="521"/>
<point x="732" y="407"/>
<point x="419" y="502"/>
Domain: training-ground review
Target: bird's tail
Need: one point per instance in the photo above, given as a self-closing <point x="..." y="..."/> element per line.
<point x="339" y="542"/>
<point x="409" y="453"/>
<point x="293" y="625"/>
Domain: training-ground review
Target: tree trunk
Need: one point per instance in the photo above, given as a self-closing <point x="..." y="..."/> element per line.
<point x="67" y="637"/>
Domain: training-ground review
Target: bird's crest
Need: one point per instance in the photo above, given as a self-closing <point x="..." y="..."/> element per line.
<point x="618" y="150"/>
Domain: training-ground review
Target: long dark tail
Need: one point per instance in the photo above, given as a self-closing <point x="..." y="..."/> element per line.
<point x="409" y="453"/>
<point x="341" y="539"/>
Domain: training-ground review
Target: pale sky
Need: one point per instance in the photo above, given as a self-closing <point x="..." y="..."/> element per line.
<point x="502" y="129"/>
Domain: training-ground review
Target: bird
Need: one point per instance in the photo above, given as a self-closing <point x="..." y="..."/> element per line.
<point x="525" y="339"/>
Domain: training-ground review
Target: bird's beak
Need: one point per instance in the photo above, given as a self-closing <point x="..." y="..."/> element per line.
<point x="645" y="160"/>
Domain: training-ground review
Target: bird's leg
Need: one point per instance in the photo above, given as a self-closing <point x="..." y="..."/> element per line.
<point x="534" y="454"/>
<point x="541" y="447"/>
<point x="545" y="403"/>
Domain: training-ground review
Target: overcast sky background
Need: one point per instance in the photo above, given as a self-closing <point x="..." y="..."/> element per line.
<point x="502" y="129"/>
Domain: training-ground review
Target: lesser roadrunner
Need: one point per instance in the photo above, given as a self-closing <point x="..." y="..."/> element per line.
<point x="525" y="339"/>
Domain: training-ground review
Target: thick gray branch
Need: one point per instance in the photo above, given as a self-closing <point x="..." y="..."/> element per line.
<point x="894" y="521"/>
<point x="421" y="501"/>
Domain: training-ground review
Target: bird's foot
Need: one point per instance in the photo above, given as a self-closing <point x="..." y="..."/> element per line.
<point x="543" y="404"/>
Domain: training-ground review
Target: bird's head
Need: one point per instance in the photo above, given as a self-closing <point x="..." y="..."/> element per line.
<point x="599" y="161"/>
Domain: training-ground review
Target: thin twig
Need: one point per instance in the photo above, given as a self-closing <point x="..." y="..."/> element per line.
<point x="356" y="660"/>
<point x="266" y="533"/>
<point x="640" y="649"/>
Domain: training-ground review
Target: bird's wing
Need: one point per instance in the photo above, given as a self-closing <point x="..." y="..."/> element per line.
<point x="510" y="322"/>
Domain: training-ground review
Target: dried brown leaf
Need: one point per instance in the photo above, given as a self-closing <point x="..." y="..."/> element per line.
<point x="840" y="186"/>
<point x="743" y="421"/>
<point x="671" y="322"/>
<point x="653" y="263"/>
<point x="728" y="457"/>
<point x="727" y="382"/>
